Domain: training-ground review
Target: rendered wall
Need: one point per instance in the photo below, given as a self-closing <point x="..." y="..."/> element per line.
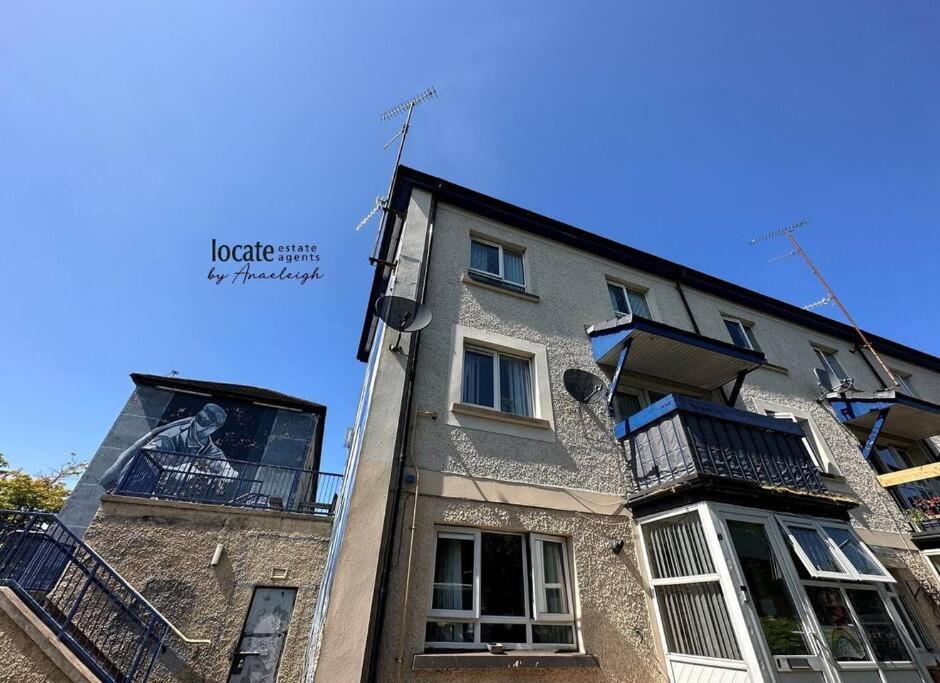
<point x="164" y="550"/>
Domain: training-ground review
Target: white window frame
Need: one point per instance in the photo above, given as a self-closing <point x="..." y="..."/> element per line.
<point x="475" y="616"/>
<point x="935" y="567"/>
<point x="636" y="290"/>
<point x="849" y="573"/>
<point x="496" y="355"/>
<point x="747" y="329"/>
<point x="821" y="357"/>
<point x="538" y="580"/>
<point x="502" y="271"/>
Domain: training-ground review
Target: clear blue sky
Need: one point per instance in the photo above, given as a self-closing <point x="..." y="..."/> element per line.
<point x="133" y="133"/>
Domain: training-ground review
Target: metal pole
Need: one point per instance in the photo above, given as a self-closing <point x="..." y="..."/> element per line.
<point x="845" y="311"/>
<point x="388" y="193"/>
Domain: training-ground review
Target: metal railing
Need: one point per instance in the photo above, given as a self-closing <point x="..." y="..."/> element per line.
<point x="921" y="501"/>
<point x="167" y="475"/>
<point x="99" y="616"/>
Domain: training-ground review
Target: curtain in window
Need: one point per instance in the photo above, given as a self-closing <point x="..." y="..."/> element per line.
<point x="554" y="579"/>
<point x="513" y="270"/>
<point x="638" y="304"/>
<point x="515" y="386"/>
<point x="478" y="378"/>
<point x="453" y="574"/>
<point x="484" y="257"/>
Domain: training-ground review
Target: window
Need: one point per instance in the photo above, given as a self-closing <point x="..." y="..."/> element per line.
<point x="486" y="590"/>
<point x="497" y="262"/>
<point x="831" y="364"/>
<point x="627" y="301"/>
<point x="882" y="633"/>
<point x="809" y="438"/>
<point x="905" y="380"/>
<point x="742" y="333"/>
<point x="833" y="551"/>
<point x="687" y="590"/>
<point x="497" y="380"/>
<point x="840" y="630"/>
<point x="912" y="624"/>
<point x="768" y="591"/>
<point x="933" y="559"/>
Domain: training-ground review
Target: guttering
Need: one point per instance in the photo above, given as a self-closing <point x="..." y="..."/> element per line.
<point x="407" y="179"/>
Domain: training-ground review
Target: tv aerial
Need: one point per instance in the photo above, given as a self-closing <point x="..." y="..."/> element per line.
<point x="583" y="386"/>
<point x="407" y="108"/>
<point x="404" y="315"/>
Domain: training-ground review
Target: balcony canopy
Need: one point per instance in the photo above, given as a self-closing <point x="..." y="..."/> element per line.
<point x="668" y="353"/>
<point x="898" y="414"/>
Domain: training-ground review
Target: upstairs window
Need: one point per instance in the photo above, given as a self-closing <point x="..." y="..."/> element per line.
<point x="497" y="380"/>
<point x="742" y="333"/>
<point x="628" y="301"/>
<point x="494" y="587"/>
<point x="497" y="262"/>
<point x="810" y="442"/>
<point x="831" y="364"/>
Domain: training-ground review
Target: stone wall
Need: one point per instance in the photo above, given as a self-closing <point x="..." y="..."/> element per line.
<point x="164" y="550"/>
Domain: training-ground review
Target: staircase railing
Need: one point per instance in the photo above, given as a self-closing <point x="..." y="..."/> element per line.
<point x="99" y="616"/>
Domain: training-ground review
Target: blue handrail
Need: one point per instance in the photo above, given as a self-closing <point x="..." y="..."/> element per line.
<point x="116" y="632"/>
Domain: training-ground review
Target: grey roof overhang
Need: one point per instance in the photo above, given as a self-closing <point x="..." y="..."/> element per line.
<point x="407" y="179"/>
<point x="671" y="354"/>
<point x="906" y="416"/>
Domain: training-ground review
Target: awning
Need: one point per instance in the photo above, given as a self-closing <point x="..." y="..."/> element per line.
<point x="901" y="415"/>
<point x="679" y="357"/>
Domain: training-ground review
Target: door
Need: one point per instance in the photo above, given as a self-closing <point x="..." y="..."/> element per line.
<point x="262" y="640"/>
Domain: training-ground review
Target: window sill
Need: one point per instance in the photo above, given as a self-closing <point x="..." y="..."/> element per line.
<point x="500" y="416"/>
<point x="510" y="660"/>
<point x="471" y="279"/>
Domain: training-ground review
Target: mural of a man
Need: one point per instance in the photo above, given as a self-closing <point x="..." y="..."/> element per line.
<point x="188" y="436"/>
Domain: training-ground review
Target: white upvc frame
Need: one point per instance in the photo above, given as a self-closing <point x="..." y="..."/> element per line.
<point x="935" y="566"/>
<point x="747" y="330"/>
<point x="502" y="270"/>
<point x="849" y="573"/>
<point x="822" y="358"/>
<point x="475" y="616"/>
<point x="539" y="607"/>
<point x="636" y="290"/>
<point x="463" y="535"/>
<point x="497" y="394"/>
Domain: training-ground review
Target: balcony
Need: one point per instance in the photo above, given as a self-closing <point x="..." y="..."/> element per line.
<point x="680" y="443"/>
<point x="166" y="475"/>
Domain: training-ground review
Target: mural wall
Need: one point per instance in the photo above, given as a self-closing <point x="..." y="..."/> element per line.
<point x="223" y="436"/>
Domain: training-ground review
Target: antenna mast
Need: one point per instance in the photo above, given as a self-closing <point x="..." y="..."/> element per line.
<point x="407" y="107"/>
<point x="830" y="294"/>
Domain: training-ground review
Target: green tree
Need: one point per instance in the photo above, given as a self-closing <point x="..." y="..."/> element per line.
<point x="20" y="490"/>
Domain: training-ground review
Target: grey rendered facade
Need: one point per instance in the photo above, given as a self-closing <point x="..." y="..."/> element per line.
<point x="434" y="477"/>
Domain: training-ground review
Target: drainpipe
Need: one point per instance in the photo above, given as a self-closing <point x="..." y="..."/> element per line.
<point x="406" y="420"/>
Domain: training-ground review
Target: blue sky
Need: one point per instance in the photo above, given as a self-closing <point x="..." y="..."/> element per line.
<point x="133" y="133"/>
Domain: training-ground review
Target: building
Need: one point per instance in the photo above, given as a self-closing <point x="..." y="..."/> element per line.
<point x="192" y="549"/>
<point x="730" y="516"/>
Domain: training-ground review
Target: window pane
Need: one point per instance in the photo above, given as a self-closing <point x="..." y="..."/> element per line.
<point x="618" y="299"/>
<point x="554" y="579"/>
<point x="852" y="550"/>
<point x="638" y="303"/>
<point x="915" y="629"/>
<point x="816" y="549"/>
<point x="751" y="337"/>
<point x="502" y="576"/>
<point x="839" y="631"/>
<point x="502" y="633"/>
<point x="515" y="389"/>
<point x="625" y="405"/>
<point x="446" y="632"/>
<point x="880" y="629"/>
<point x="484" y="257"/>
<point x="478" y="378"/>
<point x="835" y="365"/>
<point x="453" y="574"/>
<point x="768" y="589"/>
<point x="737" y="334"/>
<point x="513" y="270"/>
<point x="676" y="547"/>
<point x="543" y="633"/>
<point x="695" y="620"/>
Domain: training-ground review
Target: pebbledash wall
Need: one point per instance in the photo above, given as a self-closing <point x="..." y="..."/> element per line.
<point x="564" y="476"/>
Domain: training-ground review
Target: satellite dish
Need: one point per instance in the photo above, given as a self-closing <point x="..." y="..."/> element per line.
<point x="583" y="386"/>
<point x="404" y="315"/>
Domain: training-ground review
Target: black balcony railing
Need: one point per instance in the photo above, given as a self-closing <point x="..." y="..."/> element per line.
<point x="88" y="605"/>
<point x="167" y="475"/>
<point x="921" y="501"/>
<point x="679" y="440"/>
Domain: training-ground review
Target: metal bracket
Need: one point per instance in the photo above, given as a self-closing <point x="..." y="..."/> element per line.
<point x="736" y="389"/>
<point x="616" y="378"/>
<point x="391" y="264"/>
<point x="875" y="432"/>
